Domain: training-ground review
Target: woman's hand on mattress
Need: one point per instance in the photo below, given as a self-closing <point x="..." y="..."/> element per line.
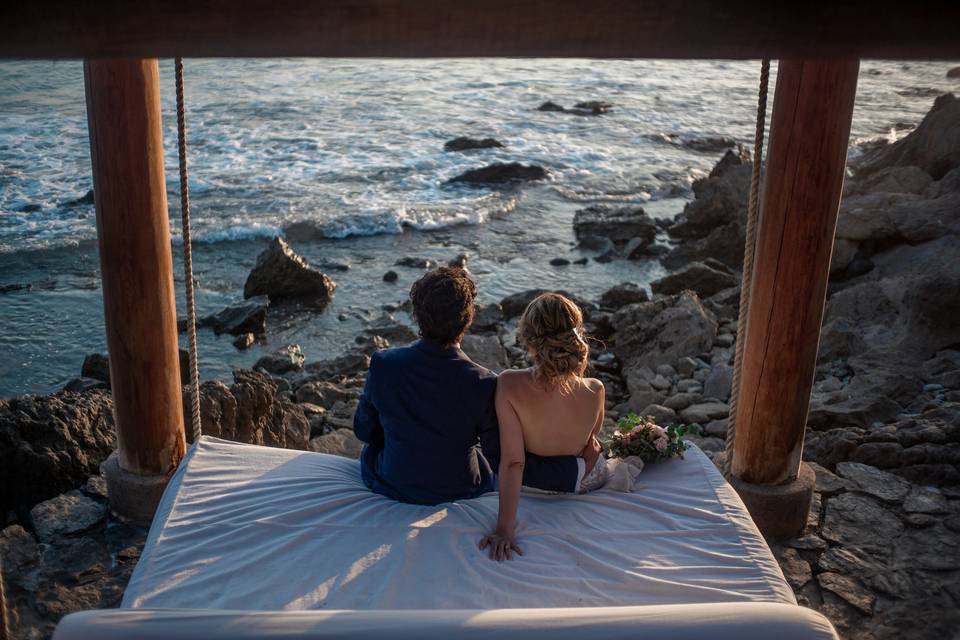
<point x="501" y="545"/>
<point x="591" y="453"/>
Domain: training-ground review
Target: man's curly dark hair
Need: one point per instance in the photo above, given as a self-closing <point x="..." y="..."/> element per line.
<point x="443" y="304"/>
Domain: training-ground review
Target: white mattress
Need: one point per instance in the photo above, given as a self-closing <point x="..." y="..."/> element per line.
<point x="254" y="528"/>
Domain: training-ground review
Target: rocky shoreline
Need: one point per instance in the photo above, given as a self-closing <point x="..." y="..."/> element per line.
<point x="882" y="549"/>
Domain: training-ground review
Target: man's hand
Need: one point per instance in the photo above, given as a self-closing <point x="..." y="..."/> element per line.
<point x="501" y="546"/>
<point x="591" y="453"/>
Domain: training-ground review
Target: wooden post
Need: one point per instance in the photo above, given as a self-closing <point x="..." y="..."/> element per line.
<point x="810" y="130"/>
<point x="126" y="147"/>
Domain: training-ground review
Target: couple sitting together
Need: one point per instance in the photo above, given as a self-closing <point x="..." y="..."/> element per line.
<point x="436" y="423"/>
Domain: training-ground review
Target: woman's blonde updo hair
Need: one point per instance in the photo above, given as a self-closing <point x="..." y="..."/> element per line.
<point x="551" y="330"/>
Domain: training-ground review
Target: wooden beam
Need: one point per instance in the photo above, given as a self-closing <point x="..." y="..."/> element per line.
<point x="126" y="146"/>
<point x="445" y="28"/>
<point x="810" y="130"/>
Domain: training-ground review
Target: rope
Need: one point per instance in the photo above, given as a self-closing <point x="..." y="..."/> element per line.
<point x="4" y="612"/>
<point x="749" y="246"/>
<point x="187" y="254"/>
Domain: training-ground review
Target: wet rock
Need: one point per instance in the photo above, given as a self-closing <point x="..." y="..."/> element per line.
<point x="85" y="199"/>
<point x="619" y="224"/>
<point x="244" y="341"/>
<point x="848" y="589"/>
<point x="502" y="173"/>
<point x="18" y="286"/>
<point x="591" y="108"/>
<point x="465" y="143"/>
<point x="416" y="263"/>
<point x="485" y="351"/>
<point x="282" y="275"/>
<point x="96" y="366"/>
<point x="461" y="261"/>
<point x="550" y="106"/>
<point x="559" y="262"/>
<point x="953" y="73"/>
<point x="341" y="442"/>
<point x="289" y="358"/>
<point x="873" y="481"/>
<point x="662" y="331"/>
<point x="934" y="145"/>
<point x="335" y="265"/>
<point x="238" y="319"/>
<point x="710" y="144"/>
<point x="390" y="276"/>
<point x="68" y="513"/>
<point x="853" y="519"/>
<point x="697" y="276"/>
<point x="304" y="231"/>
<point x="623" y="294"/>
<point x="50" y="444"/>
<point x="514" y="304"/>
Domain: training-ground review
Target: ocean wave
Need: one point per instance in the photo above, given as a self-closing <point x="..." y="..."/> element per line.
<point x="237" y="232"/>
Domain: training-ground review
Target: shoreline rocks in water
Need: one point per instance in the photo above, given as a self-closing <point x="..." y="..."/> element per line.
<point x="465" y="143"/>
<point x="282" y="275"/>
<point x="629" y="229"/>
<point x="502" y="174"/>
<point x="587" y="108"/>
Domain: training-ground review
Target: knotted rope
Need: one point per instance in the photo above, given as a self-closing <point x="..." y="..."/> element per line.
<point x="749" y="246"/>
<point x="187" y="254"/>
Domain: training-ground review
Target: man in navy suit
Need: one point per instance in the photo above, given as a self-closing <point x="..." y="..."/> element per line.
<point x="427" y="411"/>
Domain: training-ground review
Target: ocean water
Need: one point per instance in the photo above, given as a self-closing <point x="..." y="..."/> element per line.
<point x="356" y="147"/>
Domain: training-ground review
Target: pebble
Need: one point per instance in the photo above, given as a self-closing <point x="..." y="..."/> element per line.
<point x="660" y="383"/>
<point x="666" y="371"/>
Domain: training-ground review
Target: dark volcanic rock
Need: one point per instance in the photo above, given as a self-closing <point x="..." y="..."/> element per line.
<point x="17" y="286"/>
<point x="464" y="143"/>
<point x="289" y="358"/>
<point x="502" y="173"/>
<point x="50" y="444"/>
<point x="934" y="145"/>
<point x="619" y="224"/>
<point x="249" y="411"/>
<point x="954" y="72"/>
<point x="239" y="319"/>
<point x="695" y="276"/>
<point x="96" y="366"/>
<point x="514" y="304"/>
<point x="303" y="231"/>
<point x="550" y="106"/>
<point x="282" y="275"/>
<point x="416" y="263"/>
<point x="390" y="276"/>
<point x="591" y="108"/>
<point x="85" y="199"/>
<point x="623" y="294"/>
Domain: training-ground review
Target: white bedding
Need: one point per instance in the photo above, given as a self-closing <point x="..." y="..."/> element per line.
<point x="255" y="528"/>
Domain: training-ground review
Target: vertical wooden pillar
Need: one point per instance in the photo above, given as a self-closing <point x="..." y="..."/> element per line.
<point x="810" y="130"/>
<point x="126" y="147"/>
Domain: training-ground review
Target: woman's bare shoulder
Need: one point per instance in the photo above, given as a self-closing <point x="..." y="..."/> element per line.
<point x="512" y="378"/>
<point x="594" y="385"/>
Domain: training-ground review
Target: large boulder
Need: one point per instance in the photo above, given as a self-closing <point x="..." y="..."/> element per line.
<point x="650" y="334"/>
<point x="619" y="224"/>
<point x="514" y="304"/>
<point x="501" y="173"/>
<point x="282" y="275"/>
<point x="485" y="351"/>
<point x="934" y="145"/>
<point x="623" y="294"/>
<point x="284" y="360"/>
<point x="696" y="276"/>
<point x="50" y="444"/>
<point x="712" y="225"/>
<point x="886" y="219"/>
<point x="249" y="411"/>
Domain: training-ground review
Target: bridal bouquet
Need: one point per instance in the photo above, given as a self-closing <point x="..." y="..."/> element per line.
<point x="643" y="438"/>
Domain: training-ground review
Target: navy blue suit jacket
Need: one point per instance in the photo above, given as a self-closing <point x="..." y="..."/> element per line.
<point x="424" y="415"/>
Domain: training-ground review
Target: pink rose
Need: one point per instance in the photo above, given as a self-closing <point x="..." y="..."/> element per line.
<point x="661" y="443"/>
<point x="659" y="432"/>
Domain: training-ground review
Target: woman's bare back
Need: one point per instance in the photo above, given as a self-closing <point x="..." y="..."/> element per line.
<point x="554" y="423"/>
